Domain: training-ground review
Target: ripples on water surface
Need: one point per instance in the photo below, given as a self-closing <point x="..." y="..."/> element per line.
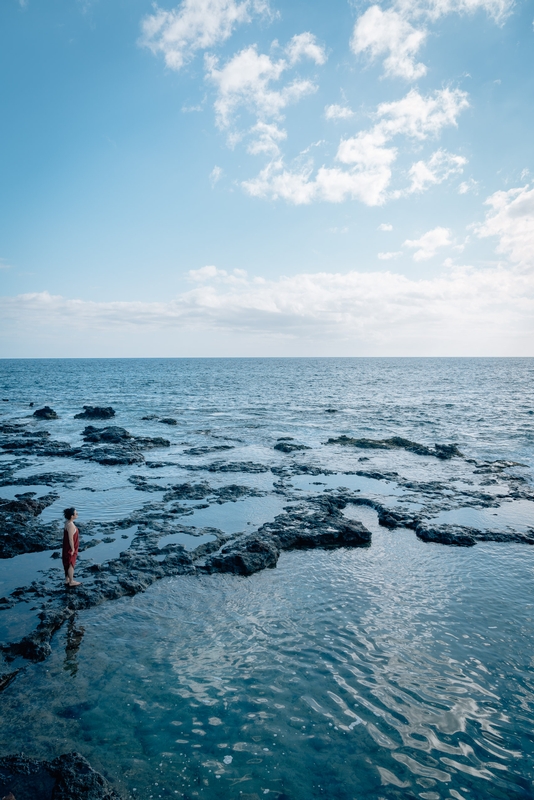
<point x="400" y="670"/>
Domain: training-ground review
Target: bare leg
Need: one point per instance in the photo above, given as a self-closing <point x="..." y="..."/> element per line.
<point x="70" y="578"/>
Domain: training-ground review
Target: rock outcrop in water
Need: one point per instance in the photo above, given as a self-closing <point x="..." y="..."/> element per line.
<point x="442" y="451"/>
<point x="116" y="445"/>
<point x="96" y="412"/>
<point x="68" y="777"/>
<point x="45" y="413"/>
<point x="19" y="531"/>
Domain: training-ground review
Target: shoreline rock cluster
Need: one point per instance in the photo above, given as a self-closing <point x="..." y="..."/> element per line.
<point x="68" y="777"/>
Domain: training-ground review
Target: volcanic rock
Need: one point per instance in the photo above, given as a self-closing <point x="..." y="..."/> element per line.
<point x="45" y="413"/>
<point x="96" y="412"/>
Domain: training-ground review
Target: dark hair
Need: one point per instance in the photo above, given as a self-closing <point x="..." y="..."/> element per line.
<point x="69" y="512"/>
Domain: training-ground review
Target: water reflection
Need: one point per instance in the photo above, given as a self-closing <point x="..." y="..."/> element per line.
<point x="395" y="671"/>
<point x="74" y="639"/>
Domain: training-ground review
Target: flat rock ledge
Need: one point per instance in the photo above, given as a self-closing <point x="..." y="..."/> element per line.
<point x="68" y="777"/>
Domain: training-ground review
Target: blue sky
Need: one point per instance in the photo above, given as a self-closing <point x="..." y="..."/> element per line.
<point x="266" y="177"/>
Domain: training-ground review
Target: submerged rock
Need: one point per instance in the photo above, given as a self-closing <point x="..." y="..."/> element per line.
<point x="68" y="777"/>
<point x="45" y="413"/>
<point x="289" y="447"/>
<point x="203" y="451"/>
<point x="96" y="412"/>
<point x="169" y="421"/>
<point x="442" y="451"/>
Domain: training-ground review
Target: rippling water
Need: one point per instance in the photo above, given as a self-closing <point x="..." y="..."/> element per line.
<point x="400" y="670"/>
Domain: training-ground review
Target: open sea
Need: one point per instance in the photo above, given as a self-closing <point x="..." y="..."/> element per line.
<point x="400" y="670"/>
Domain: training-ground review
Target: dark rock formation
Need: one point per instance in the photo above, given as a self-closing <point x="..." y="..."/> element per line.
<point x="289" y="447"/>
<point x="447" y="534"/>
<point x="245" y="556"/>
<point x="118" y="445"/>
<point x="442" y="451"/>
<point x="96" y="412"/>
<point x="203" y="451"/>
<point x="43" y="479"/>
<point x="68" y="777"/>
<point x="187" y="491"/>
<point x="18" y="531"/>
<point x="111" y="434"/>
<point x="169" y="421"/>
<point x="45" y="413"/>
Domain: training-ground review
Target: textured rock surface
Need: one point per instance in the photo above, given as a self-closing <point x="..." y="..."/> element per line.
<point x="96" y="412"/>
<point x="68" y="777"/>
<point x="45" y="413"/>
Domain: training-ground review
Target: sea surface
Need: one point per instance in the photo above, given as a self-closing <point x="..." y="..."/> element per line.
<point x="403" y="669"/>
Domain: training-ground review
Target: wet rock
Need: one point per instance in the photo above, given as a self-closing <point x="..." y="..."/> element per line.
<point x="289" y="447"/>
<point x="441" y="451"/>
<point x="330" y="410"/>
<point x="68" y="777"/>
<point x="25" y="504"/>
<point x="6" y="678"/>
<point x="234" y="492"/>
<point x="142" y="485"/>
<point x="42" y="478"/>
<point x="248" y="555"/>
<point x="203" y="451"/>
<point x="187" y="491"/>
<point x="45" y="413"/>
<point x="18" y="531"/>
<point x="169" y="421"/>
<point x="96" y="412"/>
<point x="118" y="446"/>
<point x="456" y="535"/>
<point x="324" y="526"/>
<point x="236" y="466"/>
<point x="112" y="434"/>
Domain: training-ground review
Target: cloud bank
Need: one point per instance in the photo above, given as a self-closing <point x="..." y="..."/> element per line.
<point x="462" y="311"/>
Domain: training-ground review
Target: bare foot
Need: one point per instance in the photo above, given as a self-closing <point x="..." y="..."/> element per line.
<point x="74" y="583"/>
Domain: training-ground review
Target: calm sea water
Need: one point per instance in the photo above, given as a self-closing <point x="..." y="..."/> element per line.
<point x="400" y="670"/>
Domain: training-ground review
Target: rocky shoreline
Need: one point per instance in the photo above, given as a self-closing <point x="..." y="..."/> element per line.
<point x="311" y="519"/>
<point x="68" y="777"/>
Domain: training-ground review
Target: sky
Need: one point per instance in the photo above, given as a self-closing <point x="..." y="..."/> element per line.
<point x="266" y="178"/>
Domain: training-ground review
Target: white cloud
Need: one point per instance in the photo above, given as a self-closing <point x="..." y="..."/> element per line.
<point x="305" y="45"/>
<point x="512" y="220"/>
<point x="419" y="117"/>
<point x="429" y="243"/>
<point x="206" y="273"/>
<point x="338" y="112"/>
<point x="369" y="156"/>
<point x="440" y="166"/>
<point x="216" y="175"/>
<point x="467" y="186"/>
<point x="246" y="81"/>
<point x="388" y="33"/>
<point x="3" y="264"/>
<point x="463" y="311"/>
<point x="389" y="256"/>
<point x="433" y="9"/>
<point x="195" y="25"/>
<point x="266" y="139"/>
<point x="385" y="226"/>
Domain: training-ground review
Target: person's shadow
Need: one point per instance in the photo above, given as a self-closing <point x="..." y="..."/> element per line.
<point x="74" y="640"/>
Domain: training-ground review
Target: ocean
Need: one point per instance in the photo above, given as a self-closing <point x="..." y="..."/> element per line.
<point x="403" y="668"/>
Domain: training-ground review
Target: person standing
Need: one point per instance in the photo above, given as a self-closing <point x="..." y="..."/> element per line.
<point x="71" y="543"/>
